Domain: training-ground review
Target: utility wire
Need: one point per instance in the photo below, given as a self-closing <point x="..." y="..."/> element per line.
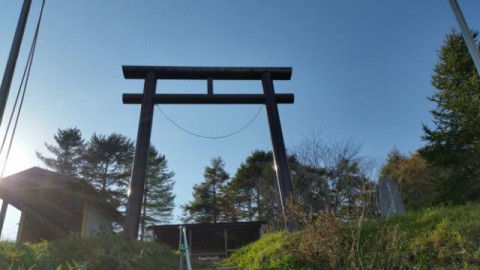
<point x="25" y="77"/>
<point x="210" y="137"/>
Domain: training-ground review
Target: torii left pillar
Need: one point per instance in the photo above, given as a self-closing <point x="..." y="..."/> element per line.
<point x="139" y="171"/>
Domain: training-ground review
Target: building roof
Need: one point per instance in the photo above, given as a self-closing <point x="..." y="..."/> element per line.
<point x="238" y="225"/>
<point x="210" y="238"/>
<point x="23" y="188"/>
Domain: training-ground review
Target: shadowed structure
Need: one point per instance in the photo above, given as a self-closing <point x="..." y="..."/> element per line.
<point x="210" y="239"/>
<point x="55" y="205"/>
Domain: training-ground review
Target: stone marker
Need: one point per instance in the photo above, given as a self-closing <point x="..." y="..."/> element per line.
<point x="389" y="200"/>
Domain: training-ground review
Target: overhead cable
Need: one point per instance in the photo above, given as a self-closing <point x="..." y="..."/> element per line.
<point x="21" y="92"/>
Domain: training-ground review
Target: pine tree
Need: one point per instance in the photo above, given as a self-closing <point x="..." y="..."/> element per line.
<point x="208" y="205"/>
<point x="158" y="201"/>
<point x="67" y="152"/>
<point x="253" y="185"/>
<point x="453" y="143"/>
<point x="107" y="166"/>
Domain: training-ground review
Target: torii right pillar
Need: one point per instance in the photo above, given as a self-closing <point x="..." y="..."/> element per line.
<point x="279" y="152"/>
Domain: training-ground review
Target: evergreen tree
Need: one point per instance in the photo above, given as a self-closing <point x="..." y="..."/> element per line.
<point x="248" y="184"/>
<point x="158" y="201"/>
<point x="67" y="153"/>
<point x="453" y="143"/>
<point x="107" y="166"/>
<point x="208" y="205"/>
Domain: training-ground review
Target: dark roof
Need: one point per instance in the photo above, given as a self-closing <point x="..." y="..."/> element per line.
<point x="208" y="225"/>
<point x="210" y="238"/>
<point x="16" y="188"/>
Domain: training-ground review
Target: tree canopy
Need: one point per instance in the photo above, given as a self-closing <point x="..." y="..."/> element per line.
<point x="67" y="153"/>
<point x="453" y="143"/>
<point x="208" y="205"/>
<point x="105" y="162"/>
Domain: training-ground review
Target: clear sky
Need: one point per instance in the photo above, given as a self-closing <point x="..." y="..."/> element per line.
<point x="361" y="71"/>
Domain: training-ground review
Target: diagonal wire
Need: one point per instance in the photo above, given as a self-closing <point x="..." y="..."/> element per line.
<point x="25" y="77"/>
<point x="210" y="137"/>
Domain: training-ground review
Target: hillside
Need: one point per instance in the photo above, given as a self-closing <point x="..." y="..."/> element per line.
<point x="99" y="252"/>
<point x="439" y="238"/>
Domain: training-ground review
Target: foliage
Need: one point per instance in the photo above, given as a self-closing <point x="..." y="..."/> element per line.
<point x="332" y="175"/>
<point x="107" y="166"/>
<point x="324" y="175"/>
<point x="97" y="252"/>
<point x="67" y="153"/>
<point x="105" y="162"/>
<point x="434" y="238"/>
<point x="158" y="196"/>
<point x="245" y="187"/>
<point x="254" y="192"/>
<point x="414" y="178"/>
<point x="453" y="143"/>
<point x="208" y="205"/>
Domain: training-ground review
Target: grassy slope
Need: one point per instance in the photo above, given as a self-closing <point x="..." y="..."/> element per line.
<point x="440" y="238"/>
<point x="100" y="252"/>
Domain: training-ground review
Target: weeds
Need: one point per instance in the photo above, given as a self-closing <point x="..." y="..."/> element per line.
<point x="97" y="252"/>
<point x="435" y="238"/>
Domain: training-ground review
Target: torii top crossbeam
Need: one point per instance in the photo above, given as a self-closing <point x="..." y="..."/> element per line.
<point x="204" y="73"/>
<point x="149" y="98"/>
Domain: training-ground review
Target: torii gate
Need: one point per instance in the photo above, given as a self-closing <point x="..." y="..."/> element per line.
<point x="149" y="98"/>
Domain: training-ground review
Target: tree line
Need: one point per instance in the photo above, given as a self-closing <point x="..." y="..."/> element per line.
<point x="332" y="176"/>
<point x="105" y="162"/>
<point x="325" y="176"/>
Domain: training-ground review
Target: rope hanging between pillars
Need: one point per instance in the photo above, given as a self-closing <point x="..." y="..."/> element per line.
<point x="210" y="137"/>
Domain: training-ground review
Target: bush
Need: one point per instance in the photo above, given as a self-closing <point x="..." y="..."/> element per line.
<point x="98" y="252"/>
<point x="435" y="238"/>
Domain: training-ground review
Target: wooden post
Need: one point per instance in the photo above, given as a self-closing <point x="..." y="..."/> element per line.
<point x="139" y="171"/>
<point x="3" y="213"/>
<point x="279" y="153"/>
<point x="225" y="236"/>
<point x="190" y="234"/>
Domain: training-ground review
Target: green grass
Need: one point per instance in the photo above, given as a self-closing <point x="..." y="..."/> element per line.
<point x="434" y="238"/>
<point x="99" y="252"/>
<point x="272" y="251"/>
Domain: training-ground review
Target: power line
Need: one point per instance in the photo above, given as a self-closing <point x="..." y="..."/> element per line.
<point x="25" y="77"/>
<point x="210" y="137"/>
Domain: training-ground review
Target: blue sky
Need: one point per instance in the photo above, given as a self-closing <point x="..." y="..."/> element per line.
<point x="361" y="71"/>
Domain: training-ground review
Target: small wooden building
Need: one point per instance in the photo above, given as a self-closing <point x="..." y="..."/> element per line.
<point x="210" y="239"/>
<point x="54" y="205"/>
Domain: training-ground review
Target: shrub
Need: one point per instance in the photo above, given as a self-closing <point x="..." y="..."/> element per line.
<point x="97" y="252"/>
<point x="435" y="238"/>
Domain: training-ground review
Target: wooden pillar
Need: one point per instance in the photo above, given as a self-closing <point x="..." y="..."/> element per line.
<point x="3" y="213"/>
<point x="279" y="153"/>
<point x="139" y="172"/>
<point x="190" y="240"/>
<point x="21" y="226"/>
<point x="225" y="236"/>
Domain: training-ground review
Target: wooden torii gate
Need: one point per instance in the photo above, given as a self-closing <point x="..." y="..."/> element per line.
<point x="150" y="74"/>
